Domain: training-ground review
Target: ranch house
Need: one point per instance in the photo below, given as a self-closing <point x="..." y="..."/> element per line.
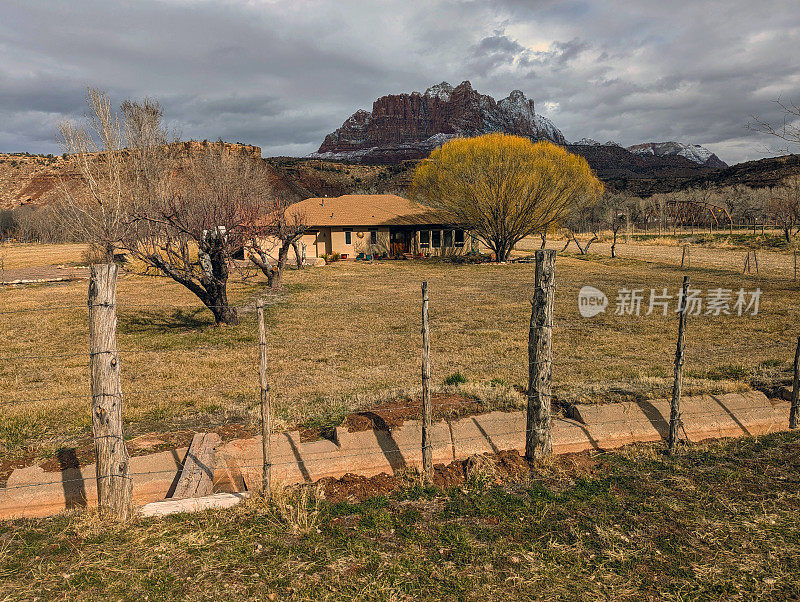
<point x="356" y="225"/>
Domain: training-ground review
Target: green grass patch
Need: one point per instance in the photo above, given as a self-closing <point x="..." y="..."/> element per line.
<point x="456" y="378"/>
<point x="717" y="521"/>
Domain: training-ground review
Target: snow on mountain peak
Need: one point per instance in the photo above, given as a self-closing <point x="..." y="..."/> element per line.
<point x="693" y="152"/>
<point x="441" y="91"/>
<point x="517" y="96"/>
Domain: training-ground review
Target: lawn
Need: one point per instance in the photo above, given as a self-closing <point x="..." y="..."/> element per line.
<point x="346" y="335"/>
<point x="719" y="521"/>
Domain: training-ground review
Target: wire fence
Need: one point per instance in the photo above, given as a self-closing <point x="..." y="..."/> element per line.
<point x="407" y="334"/>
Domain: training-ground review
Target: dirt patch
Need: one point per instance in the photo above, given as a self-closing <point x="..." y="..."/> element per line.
<point x="51" y="273"/>
<point x="493" y="469"/>
<point x="356" y="487"/>
<point x="394" y="413"/>
<point x="10" y="464"/>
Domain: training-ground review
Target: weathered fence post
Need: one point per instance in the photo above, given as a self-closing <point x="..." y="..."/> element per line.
<point x="686" y="257"/>
<point x="795" y="265"/>
<point x="674" y="409"/>
<point x="266" y="411"/>
<point x="427" y="411"/>
<point x="114" y="485"/>
<point x="794" y="409"/>
<point x="538" y="438"/>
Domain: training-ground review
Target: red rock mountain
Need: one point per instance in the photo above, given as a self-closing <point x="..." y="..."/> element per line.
<point x="409" y="126"/>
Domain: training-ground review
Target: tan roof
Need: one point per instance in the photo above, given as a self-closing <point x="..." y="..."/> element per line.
<point x="364" y="210"/>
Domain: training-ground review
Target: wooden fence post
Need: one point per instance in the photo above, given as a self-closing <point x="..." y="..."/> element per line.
<point x="538" y="438"/>
<point x="686" y="257"/>
<point x="795" y="265"/>
<point x="114" y="485"/>
<point x="266" y="410"/>
<point x="427" y="411"/>
<point x="794" y="409"/>
<point x="675" y="405"/>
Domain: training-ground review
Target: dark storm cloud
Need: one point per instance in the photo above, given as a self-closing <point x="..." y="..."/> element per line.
<point x="282" y="74"/>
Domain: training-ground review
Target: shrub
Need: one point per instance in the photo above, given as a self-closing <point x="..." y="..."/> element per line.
<point x="456" y="378"/>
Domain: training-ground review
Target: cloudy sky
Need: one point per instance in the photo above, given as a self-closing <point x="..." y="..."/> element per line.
<point x="281" y="74"/>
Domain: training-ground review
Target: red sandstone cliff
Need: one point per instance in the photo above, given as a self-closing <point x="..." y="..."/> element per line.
<point x="409" y="126"/>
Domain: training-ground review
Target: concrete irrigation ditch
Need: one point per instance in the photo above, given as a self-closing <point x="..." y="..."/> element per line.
<point x="232" y="469"/>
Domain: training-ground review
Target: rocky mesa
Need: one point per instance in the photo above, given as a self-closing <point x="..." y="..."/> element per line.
<point x="410" y="126"/>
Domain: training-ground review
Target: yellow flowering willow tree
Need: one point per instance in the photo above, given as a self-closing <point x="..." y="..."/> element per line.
<point x="503" y="188"/>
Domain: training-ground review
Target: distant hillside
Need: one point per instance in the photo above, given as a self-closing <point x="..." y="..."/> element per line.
<point x="611" y="162"/>
<point x="30" y="179"/>
<point x="693" y="152"/>
<point x="35" y="180"/>
<point x="757" y="174"/>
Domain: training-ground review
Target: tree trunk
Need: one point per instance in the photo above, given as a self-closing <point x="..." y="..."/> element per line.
<point x="215" y="282"/>
<point x="262" y="262"/>
<point x="274" y="273"/>
<point x="298" y="253"/>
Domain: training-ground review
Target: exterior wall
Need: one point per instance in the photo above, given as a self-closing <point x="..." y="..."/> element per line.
<point x="329" y="240"/>
<point x="310" y="241"/>
<point x="322" y="242"/>
<point x="357" y="244"/>
<point x="270" y="244"/>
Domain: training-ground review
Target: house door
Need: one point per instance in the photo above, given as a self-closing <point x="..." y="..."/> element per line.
<point x="399" y="242"/>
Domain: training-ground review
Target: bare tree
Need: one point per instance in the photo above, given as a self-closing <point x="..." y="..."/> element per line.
<point x="188" y="226"/>
<point x="178" y="209"/>
<point x="587" y="219"/>
<point x="274" y="232"/>
<point x="96" y="208"/>
<point x="613" y="212"/>
<point x="788" y="130"/>
<point x="784" y="206"/>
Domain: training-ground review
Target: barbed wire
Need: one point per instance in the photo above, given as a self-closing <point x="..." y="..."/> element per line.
<point x="134" y="392"/>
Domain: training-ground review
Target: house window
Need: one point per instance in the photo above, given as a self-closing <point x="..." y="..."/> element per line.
<point x="373" y="237"/>
<point x="348" y="237"/>
<point x="448" y="238"/>
<point x="424" y="239"/>
<point x="437" y="238"/>
<point x="459" y="238"/>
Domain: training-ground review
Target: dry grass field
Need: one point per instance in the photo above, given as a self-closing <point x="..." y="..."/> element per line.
<point x="667" y="251"/>
<point x="347" y="335"/>
<point x="33" y="256"/>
